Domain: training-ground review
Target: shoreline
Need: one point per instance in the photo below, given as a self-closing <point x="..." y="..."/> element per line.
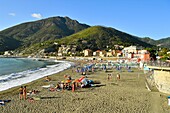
<point x="12" y="89"/>
<point x="35" y="74"/>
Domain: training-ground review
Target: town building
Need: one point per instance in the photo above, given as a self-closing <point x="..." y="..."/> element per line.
<point x="87" y="52"/>
<point x="67" y="50"/>
<point x="8" y="53"/>
<point x="99" y="53"/>
<point x="136" y="53"/>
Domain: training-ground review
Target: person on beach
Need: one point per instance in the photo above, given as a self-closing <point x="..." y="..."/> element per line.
<point x="21" y="92"/>
<point x="109" y="76"/>
<point x="93" y="69"/>
<point x="73" y="86"/>
<point x="62" y="85"/>
<point x="25" y="92"/>
<point x="68" y="77"/>
<point x="47" y="79"/>
<point x="67" y="86"/>
<point x="56" y="88"/>
<point x="33" y="92"/>
<point x="118" y="76"/>
<point x="76" y="83"/>
<point x="65" y="76"/>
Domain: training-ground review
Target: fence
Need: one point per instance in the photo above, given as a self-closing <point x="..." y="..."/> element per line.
<point x="158" y="63"/>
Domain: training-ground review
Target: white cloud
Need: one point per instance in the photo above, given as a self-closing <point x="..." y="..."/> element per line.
<point x="36" y="15"/>
<point x="12" y="14"/>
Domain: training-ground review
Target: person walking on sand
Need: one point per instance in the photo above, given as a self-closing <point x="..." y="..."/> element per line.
<point x="118" y="76"/>
<point x="25" y="92"/>
<point x="21" y="92"/>
<point x="109" y="76"/>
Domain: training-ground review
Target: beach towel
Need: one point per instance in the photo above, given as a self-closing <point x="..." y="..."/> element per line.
<point x="48" y="86"/>
<point x="36" y="98"/>
<point x="2" y="102"/>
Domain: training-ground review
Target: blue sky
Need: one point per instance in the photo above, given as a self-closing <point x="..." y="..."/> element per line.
<point x="143" y="18"/>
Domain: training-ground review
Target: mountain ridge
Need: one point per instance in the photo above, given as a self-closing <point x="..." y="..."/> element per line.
<point x="164" y="42"/>
<point x="102" y="37"/>
<point x="46" y="29"/>
<point x="60" y="29"/>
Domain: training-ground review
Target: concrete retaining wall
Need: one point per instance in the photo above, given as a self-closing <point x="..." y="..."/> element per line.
<point x="162" y="80"/>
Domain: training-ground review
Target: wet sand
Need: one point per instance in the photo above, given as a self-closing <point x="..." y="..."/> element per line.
<point x="127" y="95"/>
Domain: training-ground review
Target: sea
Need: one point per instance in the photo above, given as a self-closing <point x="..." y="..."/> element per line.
<point x="18" y="71"/>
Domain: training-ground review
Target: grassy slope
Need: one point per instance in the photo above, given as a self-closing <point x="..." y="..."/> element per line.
<point x="103" y="36"/>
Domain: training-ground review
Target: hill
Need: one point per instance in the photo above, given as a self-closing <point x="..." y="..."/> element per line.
<point x="31" y="37"/>
<point x="7" y="43"/>
<point x="99" y="37"/>
<point x="148" y="40"/>
<point x="30" y="33"/>
<point x="165" y="42"/>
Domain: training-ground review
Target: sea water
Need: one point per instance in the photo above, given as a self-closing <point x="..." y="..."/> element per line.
<point x="18" y="71"/>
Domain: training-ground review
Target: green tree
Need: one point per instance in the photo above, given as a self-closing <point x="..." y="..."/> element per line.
<point x="163" y="51"/>
<point x="152" y="52"/>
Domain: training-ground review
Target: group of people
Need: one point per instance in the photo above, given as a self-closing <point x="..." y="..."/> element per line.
<point x="22" y="93"/>
<point x="32" y="92"/>
<point x="109" y="76"/>
<point x="70" y="84"/>
<point x="63" y="85"/>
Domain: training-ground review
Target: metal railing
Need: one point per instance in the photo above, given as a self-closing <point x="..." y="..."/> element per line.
<point x="158" y="63"/>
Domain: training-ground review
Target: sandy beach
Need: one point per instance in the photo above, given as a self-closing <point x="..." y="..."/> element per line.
<point x="127" y="95"/>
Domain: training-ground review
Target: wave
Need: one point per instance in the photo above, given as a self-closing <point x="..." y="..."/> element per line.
<point x="16" y="79"/>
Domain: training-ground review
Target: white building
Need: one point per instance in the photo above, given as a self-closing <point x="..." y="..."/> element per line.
<point x="8" y="53"/>
<point x="131" y="49"/>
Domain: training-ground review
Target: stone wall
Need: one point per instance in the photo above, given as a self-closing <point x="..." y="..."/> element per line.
<point x="162" y="80"/>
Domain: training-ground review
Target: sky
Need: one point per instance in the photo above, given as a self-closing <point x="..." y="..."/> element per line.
<point x="142" y="18"/>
